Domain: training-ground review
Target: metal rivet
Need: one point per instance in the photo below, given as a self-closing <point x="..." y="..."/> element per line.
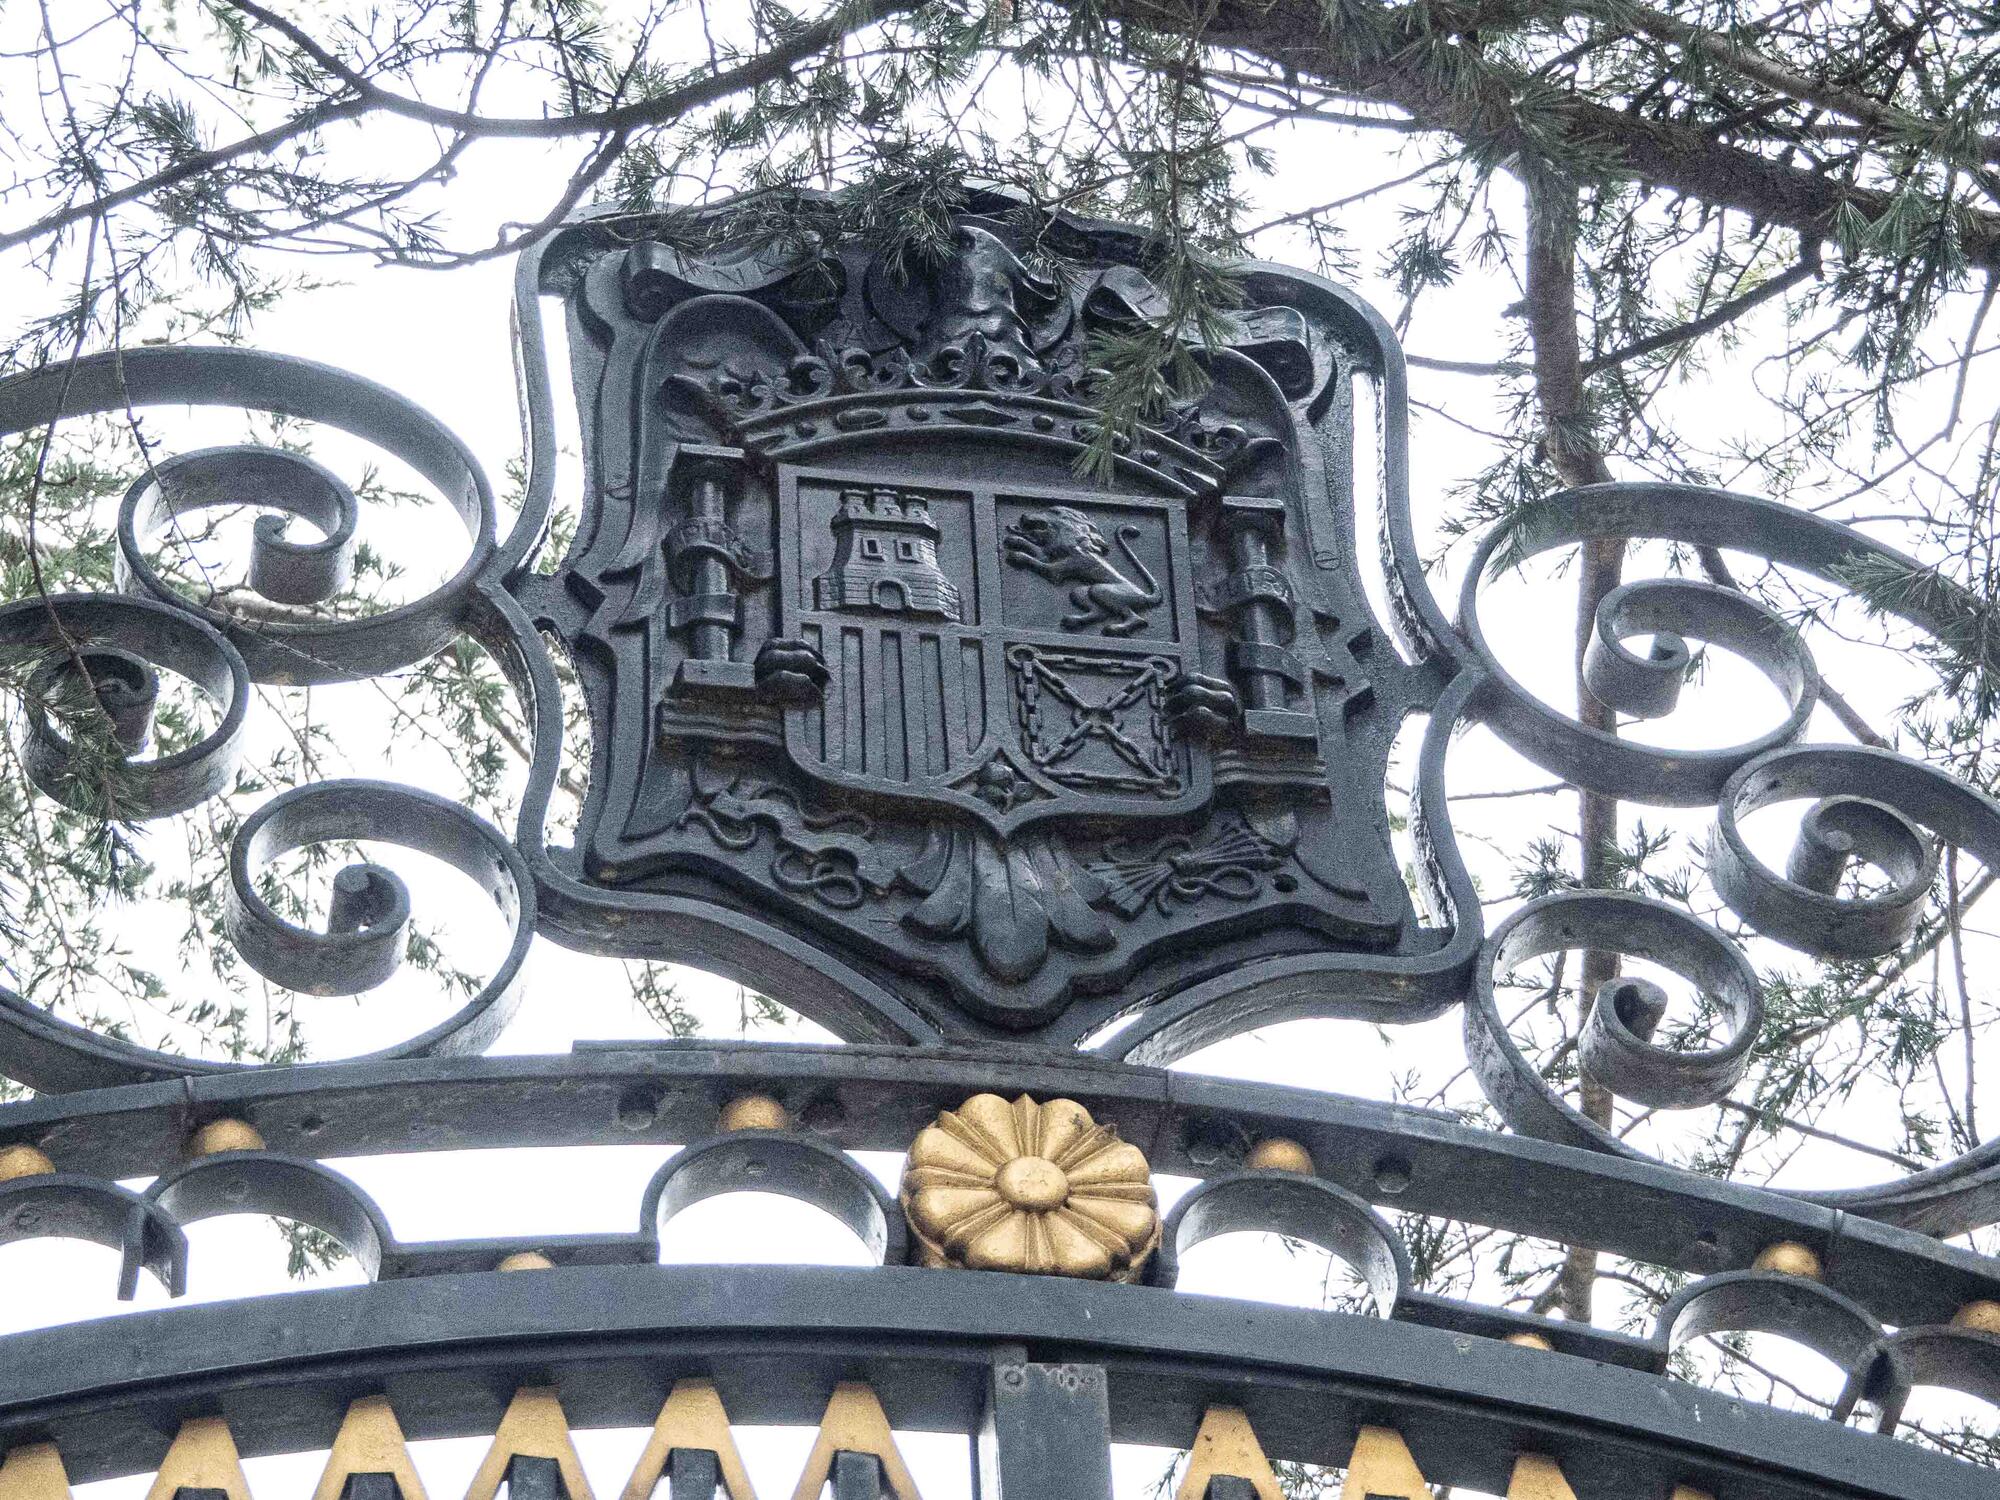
<point x="1392" y="1175"/>
<point x="23" y="1161"/>
<point x="639" y="1107"/>
<point x="1981" y="1317"/>
<point x="1210" y="1140"/>
<point x="753" y="1112"/>
<point x="1280" y="1155"/>
<point x="224" y="1135"/>
<point x="1789" y="1258"/>
<point x="526" y="1260"/>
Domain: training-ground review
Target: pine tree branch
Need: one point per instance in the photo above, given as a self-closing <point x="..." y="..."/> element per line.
<point x="1722" y="314"/>
<point x="657" y="109"/>
<point x="1572" y="450"/>
<point x="1778" y="78"/>
<point x="1403" y="58"/>
<point x="1716" y="317"/>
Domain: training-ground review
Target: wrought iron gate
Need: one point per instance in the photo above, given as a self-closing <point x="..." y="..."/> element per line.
<point x="1024" y="787"/>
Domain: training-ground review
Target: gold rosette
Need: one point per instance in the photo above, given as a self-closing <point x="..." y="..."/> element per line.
<point x="1036" y="1188"/>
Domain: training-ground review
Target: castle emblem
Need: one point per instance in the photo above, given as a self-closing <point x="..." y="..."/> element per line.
<point x="886" y="558"/>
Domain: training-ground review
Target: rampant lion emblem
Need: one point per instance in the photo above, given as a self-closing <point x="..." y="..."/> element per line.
<point x="1063" y="546"/>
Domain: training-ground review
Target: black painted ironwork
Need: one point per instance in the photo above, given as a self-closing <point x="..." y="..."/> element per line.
<point x="899" y="720"/>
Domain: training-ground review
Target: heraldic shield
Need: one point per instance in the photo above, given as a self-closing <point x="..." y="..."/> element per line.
<point x="903" y="669"/>
<point x="1010" y="655"/>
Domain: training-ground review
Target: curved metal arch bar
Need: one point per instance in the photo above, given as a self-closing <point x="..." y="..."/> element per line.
<point x="777" y="1161"/>
<point x="864" y="1098"/>
<point x="309" y="652"/>
<point x="269" y="1182"/>
<point x="1304" y="1208"/>
<point x="1790" y="1307"/>
<point x="775" y="1339"/>
<point x="1958" y="1359"/>
<point x="294" y="1187"/>
<point x="56" y="1057"/>
<point x="68" y="1206"/>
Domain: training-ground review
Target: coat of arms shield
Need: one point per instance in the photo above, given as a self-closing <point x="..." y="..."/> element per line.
<point x="1009" y="655"/>
<point x="885" y="679"/>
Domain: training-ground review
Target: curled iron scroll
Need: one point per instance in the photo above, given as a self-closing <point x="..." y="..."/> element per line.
<point x="1668" y="608"/>
<point x="282" y="569"/>
<point x="292" y="651"/>
<point x="1871" y="797"/>
<point x="54" y="1056"/>
<point x="1638" y="927"/>
<point x="118" y="642"/>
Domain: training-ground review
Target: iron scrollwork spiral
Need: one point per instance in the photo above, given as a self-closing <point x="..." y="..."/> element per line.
<point x="1867" y="807"/>
<point x="277" y="649"/>
<point x="112" y="648"/>
<point x="1615" y="1044"/>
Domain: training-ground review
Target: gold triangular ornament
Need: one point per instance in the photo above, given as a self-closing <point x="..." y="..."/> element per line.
<point x="1381" y="1469"/>
<point x="34" y="1472"/>
<point x="1227" y="1445"/>
<point x="370" y="1441"/>
<point x="534" y="1427"/>
<point x="1538" y="1477"/>
<point x="693" y="1417"/>
<point x="203" y="1457"/>
<point x="854" y="1423"/>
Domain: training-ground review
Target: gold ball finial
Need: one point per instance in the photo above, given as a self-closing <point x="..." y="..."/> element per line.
<point x="1981" y="1317"/>
<point x="753" y="1112"/>
<point x="526" y="1260"/>
<point x="1276" y="1154"/>
<point x="1789" y="1258"/>
<point x="23" y="1161"/>
<point x="224" y="1135"/>
<point x="1530" y="1341"/>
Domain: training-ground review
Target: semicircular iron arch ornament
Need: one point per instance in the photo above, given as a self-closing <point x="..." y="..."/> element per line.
<point x="1019" y="783"/>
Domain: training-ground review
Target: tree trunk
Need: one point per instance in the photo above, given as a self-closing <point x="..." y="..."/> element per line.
<point x="1573" y="450"/>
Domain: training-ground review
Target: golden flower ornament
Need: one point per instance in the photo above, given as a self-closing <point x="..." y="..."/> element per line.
<point x="1038" y="1188"/>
